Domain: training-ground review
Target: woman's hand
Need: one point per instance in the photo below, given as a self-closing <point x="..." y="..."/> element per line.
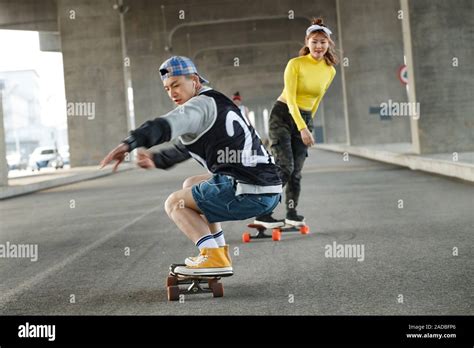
<point x="117" y="154"/>
<point x="145" y="159"/>
<point x="307" y="137"/>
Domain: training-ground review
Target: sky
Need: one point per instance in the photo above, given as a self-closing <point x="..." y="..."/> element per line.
<point x="22" y="53"/>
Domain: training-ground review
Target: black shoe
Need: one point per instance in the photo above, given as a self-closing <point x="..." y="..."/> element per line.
<point x="293" y="219"/>
<point x="268" y="221"/>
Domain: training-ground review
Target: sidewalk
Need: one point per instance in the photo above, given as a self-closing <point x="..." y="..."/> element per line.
<point x="24" y="183"/>
<point x="460" y="165"/>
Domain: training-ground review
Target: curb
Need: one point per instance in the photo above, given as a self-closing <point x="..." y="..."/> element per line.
<point x="464" y="171"/>
<point x="19" y="190"/>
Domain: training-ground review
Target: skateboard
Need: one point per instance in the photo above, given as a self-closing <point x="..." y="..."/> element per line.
<point x="276" y="232"/>
<point x="195" y="284"/>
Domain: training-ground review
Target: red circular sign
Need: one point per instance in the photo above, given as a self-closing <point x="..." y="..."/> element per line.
<point x="403" y="74"/>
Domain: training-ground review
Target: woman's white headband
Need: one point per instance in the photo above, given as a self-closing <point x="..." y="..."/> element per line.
<point x="315" y="27"/>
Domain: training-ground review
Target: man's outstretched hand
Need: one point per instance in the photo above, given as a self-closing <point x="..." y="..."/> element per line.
<point x="117" y="154"/>
<point x="145" y="159"/>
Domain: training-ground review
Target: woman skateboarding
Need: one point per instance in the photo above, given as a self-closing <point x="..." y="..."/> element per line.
<point x="306" y="78"/>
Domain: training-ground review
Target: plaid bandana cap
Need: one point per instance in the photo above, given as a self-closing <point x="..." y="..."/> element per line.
<point x="178" y="66"/>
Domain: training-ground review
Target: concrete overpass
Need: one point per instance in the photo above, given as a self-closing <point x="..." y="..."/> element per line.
<point x="111" y="45"/>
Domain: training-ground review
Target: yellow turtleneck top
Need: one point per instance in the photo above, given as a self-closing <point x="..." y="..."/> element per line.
<point x="306" y="81"/>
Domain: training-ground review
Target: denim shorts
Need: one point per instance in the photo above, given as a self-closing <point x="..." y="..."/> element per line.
<point x="217" y="200"/>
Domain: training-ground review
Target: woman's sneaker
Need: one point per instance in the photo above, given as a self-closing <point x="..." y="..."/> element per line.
<point x="268" y="221"/>
<point x="293" y="219"/>
<point x="210" y="262"/>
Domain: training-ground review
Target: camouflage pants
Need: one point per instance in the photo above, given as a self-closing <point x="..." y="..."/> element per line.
<point x="288" y="149"/>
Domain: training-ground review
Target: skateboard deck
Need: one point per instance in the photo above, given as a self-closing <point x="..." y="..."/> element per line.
<point x="276" y="232"/>
<point x="194" y="285"/>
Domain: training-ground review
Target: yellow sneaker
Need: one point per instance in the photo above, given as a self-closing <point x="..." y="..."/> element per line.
<point x="191" y="261"/>
<point x="210" y="262"/>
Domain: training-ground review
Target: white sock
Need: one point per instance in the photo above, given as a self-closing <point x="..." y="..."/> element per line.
<point x="219" y="238"/>
<point x="206" y="242"/>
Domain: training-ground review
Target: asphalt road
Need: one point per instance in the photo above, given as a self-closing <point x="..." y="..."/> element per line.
<point x="83" y="231"/>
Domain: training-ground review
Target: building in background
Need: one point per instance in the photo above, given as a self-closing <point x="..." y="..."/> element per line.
<point x="22" y="110"/>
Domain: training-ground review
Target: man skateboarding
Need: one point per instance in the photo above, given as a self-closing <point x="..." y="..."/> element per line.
<point x="243" y="180"/>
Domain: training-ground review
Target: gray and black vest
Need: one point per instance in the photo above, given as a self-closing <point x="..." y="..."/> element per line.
<point x="231" y="146"/>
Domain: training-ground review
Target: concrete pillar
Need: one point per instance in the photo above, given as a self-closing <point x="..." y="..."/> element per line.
<point x="372" y="44"/>
<point x="94" y="78"/>
<point x="440" y="36"/>
<point x="146" y="41"/>
<point x="3" y="154"/>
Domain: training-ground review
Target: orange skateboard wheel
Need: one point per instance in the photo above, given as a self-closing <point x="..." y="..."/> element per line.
<point x="276" y="234"/>
<point x="304" y="229"/>
<point x="246" y="237"/>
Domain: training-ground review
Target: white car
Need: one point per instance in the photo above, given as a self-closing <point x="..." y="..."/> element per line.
<point x="45" y="157"/>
